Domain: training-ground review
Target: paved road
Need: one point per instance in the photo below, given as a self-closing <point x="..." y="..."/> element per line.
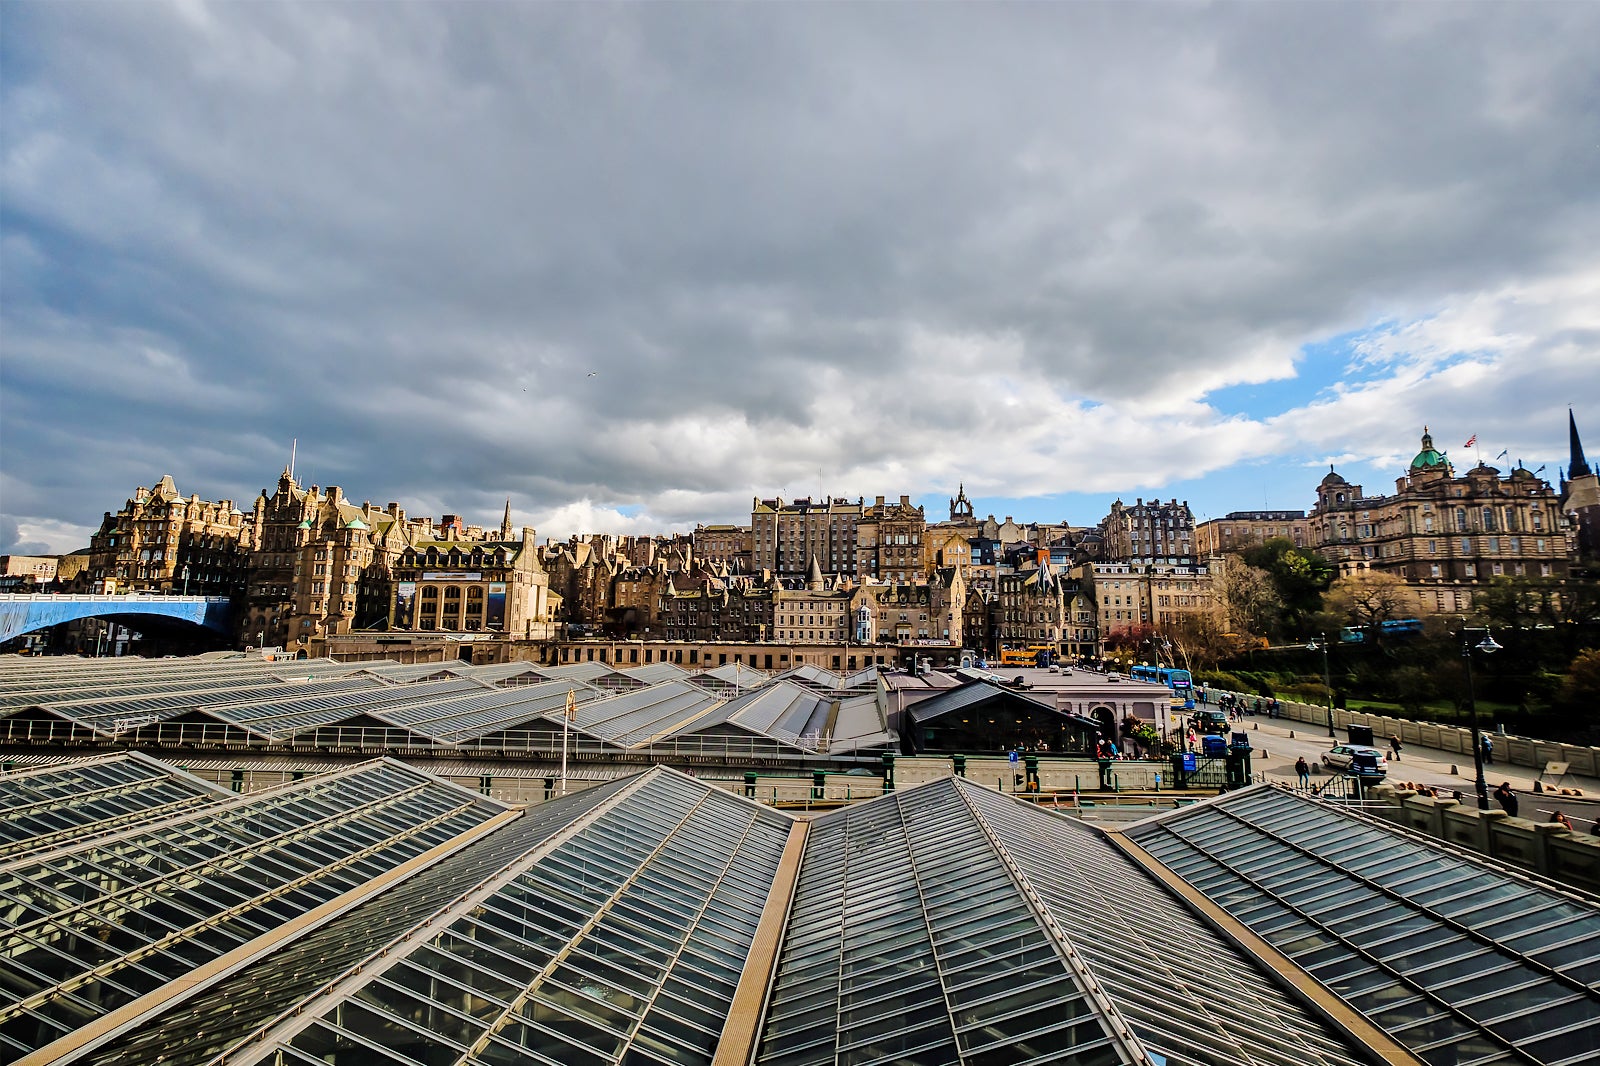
<point x="1276" y="751"/>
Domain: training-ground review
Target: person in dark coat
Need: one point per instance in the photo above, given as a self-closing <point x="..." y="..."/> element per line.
<point x="1506" y="798"/>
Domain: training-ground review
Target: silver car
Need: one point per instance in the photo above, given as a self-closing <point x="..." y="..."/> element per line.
<point x="1358" y="760"/>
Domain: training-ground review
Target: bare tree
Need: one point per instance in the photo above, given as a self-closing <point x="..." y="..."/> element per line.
<point x="1366" y="600"/>
<point x="1200" y="638"/>
<point x="1247" y="597"/>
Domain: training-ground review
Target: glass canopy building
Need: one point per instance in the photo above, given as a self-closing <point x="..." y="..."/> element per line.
<point x="377" y="915"/>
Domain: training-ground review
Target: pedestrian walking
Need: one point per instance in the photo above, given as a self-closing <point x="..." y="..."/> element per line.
<point x="1506" y="798"/>
<point x="1394" y="745"/>
<point x="1488" y="749"/>
<point x="1301" y="768"/>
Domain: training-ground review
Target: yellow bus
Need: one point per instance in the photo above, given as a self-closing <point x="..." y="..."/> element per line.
<point x="1029" y="656"/>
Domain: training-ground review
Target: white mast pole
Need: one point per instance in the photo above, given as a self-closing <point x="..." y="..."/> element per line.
<point x="566" y="722"/>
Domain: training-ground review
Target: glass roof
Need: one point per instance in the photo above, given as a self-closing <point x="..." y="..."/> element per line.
<point x="1043" y="940"/>
<point x="636" y="717"/>
<point x="1457" y="959"/>
<point x="1189" y="994"/>
<point x="44" y="805"/>
<point x="908" y="941"/>
<point x="624" y="941"/>
<point x="231" y="1011"/>
<point x="941" y="924"/>
<point x="94" y="925"/>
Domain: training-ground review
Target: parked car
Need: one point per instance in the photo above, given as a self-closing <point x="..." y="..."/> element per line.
<point x="1355" y="759"/>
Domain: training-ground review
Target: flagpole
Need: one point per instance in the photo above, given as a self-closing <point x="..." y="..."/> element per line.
<point x="566" y="723"/>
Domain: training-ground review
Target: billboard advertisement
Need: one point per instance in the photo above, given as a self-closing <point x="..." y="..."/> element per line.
<point x="405" y="596"/>
<point x="495" y="610"/>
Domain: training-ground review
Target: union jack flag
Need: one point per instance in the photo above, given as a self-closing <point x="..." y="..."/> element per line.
<point x="1471" y="441"/>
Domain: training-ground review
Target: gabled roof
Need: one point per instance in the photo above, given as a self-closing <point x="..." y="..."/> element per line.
<point x="979" y="693"/>
<point x="1495" y="966"/>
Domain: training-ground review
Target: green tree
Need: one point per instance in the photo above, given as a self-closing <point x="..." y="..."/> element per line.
<point x="1299" y="577"/>
<point x="1581" y="687"/>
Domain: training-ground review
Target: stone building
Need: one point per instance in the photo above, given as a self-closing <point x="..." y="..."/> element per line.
<point x="1042" y="605"/>
<point x="930" y="612"/>
<point x="1131" y="596"/>
<point x="27" y="573"/>
<point x="1152" y="532"/>
<point x="637" y="593"/>
<point x="1580" y="503"/>
<point x="817" y="612"/>
<point x="160" y="541"/>
<point x="581" y="571"/>
<point x="724" y="545"/>
<point x="889" y="547"/>
<point x="494" y="585"/>
<point x="786" y="537"/>
<point x="320" y="566"/>
<point x="1444" y="534"/>
<point x="1243" y="529"/>
<point x="715" y="609"/>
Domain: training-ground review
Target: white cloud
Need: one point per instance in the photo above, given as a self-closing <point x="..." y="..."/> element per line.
<point x="831" y="250"/>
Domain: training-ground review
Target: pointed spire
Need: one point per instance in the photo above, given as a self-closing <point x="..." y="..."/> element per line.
<point x="1577" y="465"/>
<point x="505" y="523"/>
<point x="814" y="575"/>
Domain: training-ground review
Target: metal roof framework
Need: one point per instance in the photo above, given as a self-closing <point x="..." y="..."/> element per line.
<point x="92" y="926"/>
<point x="1457" y="958"/>
<point x="657" y="919"/>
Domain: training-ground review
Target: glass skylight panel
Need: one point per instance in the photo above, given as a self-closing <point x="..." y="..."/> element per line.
<point x="631" y="932"/>
<point x="1424" y="941"/>
<point x="147" y="905"/>
<point x="909" y="941"/>
<point x="1232" y="1011"/>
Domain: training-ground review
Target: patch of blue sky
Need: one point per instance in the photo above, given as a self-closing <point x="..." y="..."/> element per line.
<point x="1319" y="368"/>
<point x="1267" y="484"/>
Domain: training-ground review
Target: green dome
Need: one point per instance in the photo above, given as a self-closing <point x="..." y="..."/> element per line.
<point x="1427" y="457"/>
<point x="304" y="524"/>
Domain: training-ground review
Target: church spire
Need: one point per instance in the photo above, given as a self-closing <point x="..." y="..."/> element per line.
<point x="1577" y="465"/>
<point x="505" y="523"/>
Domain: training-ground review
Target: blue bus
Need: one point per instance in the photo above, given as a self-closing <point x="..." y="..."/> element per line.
<point x="1395" y="627"/>
<point x="1177" y="680"/>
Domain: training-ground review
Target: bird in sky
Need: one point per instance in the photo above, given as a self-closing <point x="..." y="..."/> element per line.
<point x="593" y="374"/>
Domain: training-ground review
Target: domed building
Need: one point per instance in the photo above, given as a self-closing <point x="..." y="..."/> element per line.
<point x="1445" y="535"/>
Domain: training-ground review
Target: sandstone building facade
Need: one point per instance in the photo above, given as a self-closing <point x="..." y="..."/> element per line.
<point x="1444" y="534"/>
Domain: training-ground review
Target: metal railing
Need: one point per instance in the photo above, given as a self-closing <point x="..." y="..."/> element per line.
<point x="525" y="743"/>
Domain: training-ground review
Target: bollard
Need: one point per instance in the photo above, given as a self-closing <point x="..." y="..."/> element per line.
<point x="1291" y="734"/>
<point x="1453" y="771"/>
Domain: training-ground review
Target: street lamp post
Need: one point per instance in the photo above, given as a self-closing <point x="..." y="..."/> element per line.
<point x="1327" y="680"/>
<point x="186" y="579"/>
<point x="1488" y="646"/>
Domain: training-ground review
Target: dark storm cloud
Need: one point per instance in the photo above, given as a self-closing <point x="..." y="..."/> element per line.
<point x="796" y="246"/>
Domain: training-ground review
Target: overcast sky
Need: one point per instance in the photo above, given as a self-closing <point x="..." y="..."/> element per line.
<point x="633" y="265"/>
